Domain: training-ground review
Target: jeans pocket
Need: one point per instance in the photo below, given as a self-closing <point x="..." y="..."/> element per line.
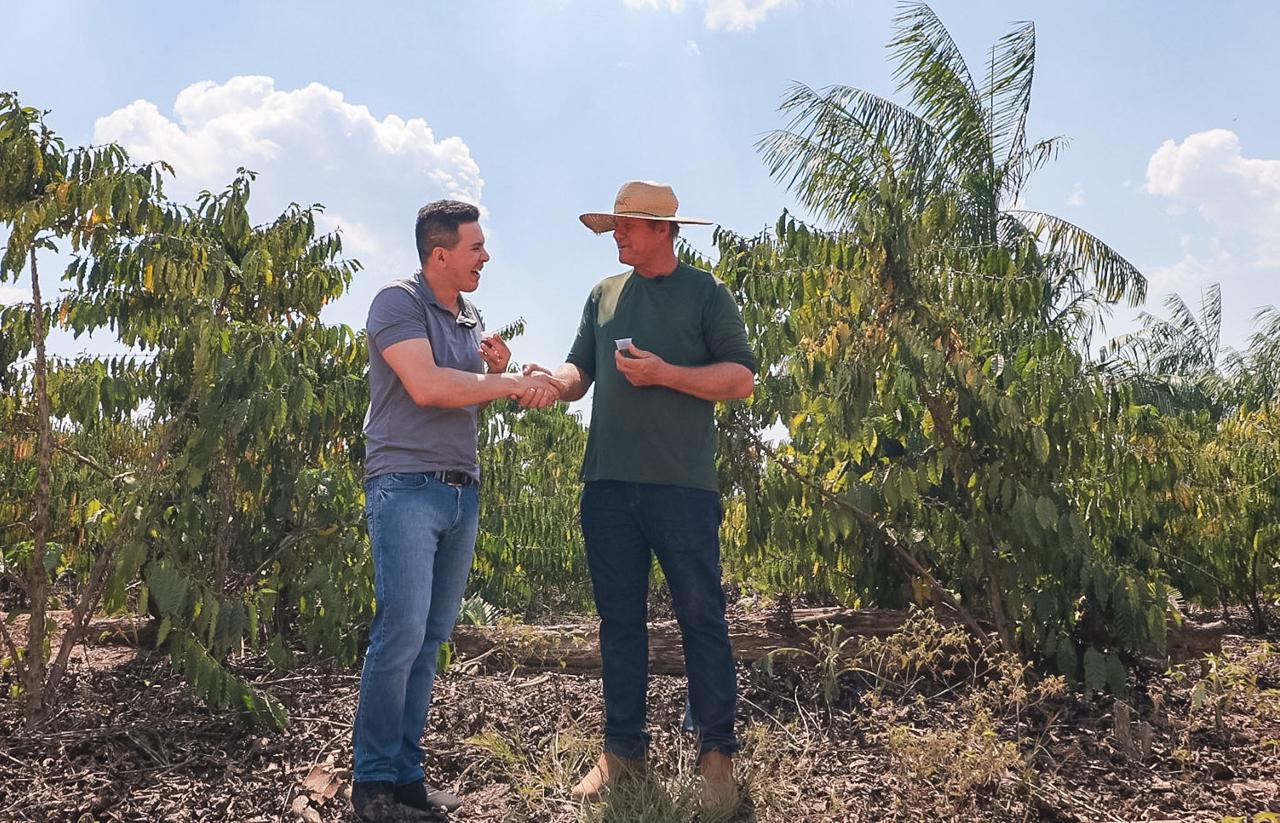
<point x="406" y="481"/>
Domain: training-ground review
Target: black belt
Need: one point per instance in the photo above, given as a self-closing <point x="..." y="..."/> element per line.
<point x="453" y="477"/>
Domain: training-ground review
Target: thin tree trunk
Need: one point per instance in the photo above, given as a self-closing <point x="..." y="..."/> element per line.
<point x="225" y="490"/>
<point x="1256" y="609"/>
<point x="37" y="577"/>
<point x="995" y="597"/>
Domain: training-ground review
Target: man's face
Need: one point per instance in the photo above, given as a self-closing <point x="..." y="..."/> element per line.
<point x="462" y="263"/>
<point x="640" y="241"/>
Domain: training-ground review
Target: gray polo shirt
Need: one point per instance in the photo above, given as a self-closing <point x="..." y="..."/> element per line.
<point x="401" y="435"/>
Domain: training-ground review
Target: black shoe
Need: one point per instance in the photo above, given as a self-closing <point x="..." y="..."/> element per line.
<point x="374" y="801"/>
<point x="424" y="796"/>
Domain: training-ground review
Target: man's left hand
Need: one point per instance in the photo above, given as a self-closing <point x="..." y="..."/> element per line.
<point x="642" y="368"/>
<point x="495" y="353"/>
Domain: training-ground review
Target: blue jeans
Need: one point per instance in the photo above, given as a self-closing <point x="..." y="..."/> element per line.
<point x="423" y="534"/>
<point x="624" y="525"/>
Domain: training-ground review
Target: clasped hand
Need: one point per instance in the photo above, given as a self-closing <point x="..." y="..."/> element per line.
<point x="539" y="388"/>
<point x="536" y="387"/>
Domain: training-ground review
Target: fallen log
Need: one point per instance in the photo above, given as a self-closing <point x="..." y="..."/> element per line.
<point x="575" y="648"/>
<point x="101" y="631"/>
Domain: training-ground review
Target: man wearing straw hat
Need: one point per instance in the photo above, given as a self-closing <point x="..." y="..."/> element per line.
<point x="663" y="342"/>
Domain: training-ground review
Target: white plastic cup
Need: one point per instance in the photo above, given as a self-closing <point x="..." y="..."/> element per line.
<point x="623" y="344"/>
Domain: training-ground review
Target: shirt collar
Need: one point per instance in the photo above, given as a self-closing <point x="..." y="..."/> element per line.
<point x="467" y="316"/>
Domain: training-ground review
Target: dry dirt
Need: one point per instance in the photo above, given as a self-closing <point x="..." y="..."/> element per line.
<point x="128" y="742"/>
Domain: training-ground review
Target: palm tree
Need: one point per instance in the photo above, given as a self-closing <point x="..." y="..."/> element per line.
<point x="851" y="156"/>
<point x="1175" y="363"/>
<point x="1256" y="373"/>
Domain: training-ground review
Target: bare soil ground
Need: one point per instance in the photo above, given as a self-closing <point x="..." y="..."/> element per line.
<point x="129" y="743"/>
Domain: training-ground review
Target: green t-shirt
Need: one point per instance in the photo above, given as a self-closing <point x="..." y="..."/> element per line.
<point x="652" y="434"/>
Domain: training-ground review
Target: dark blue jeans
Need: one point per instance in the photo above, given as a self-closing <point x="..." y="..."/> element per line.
<point x="624" y="525"/>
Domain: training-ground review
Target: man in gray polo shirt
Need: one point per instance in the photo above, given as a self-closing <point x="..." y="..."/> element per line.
<point x="431" y="367"/>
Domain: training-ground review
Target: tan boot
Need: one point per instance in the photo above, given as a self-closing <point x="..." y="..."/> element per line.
<point x="609" y="770"/>
<point x="719" y="793"/>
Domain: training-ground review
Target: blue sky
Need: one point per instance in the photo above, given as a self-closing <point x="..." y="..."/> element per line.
<point x="540" y="109"/>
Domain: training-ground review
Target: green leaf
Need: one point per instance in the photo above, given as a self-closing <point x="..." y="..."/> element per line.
<point x="1068" y="660"/>
<point x="1046" y="513"/>
<point x="1117" y="675"/>
<point x="1199" y="695"/>
<point x="1040" y="445"/>
<point x="52" y="556"/>
<point x="1095" y="670"/>
<point x="166" y="623"/>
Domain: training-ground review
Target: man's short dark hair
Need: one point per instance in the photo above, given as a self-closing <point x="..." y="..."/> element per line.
<point x="438" y="225"/>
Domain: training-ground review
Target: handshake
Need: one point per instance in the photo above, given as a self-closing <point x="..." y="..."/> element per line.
<point x="536" y="387"/>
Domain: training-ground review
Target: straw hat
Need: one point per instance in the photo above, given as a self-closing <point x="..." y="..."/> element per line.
<point x="640" y="198"/>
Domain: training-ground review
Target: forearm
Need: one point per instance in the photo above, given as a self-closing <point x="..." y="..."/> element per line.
<point x="715" y="382"/>
<point x="453" y="388"/>
<point x="575" y="382"/>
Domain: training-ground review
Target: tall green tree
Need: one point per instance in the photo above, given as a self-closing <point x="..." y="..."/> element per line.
<point x="241" y="515"/>
<point x="947" y="440"/>
<point x="1176" y="362"/>
<point x="88" y="199"/>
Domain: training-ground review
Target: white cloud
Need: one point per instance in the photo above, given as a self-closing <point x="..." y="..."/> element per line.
<point x="739" y="15"/>
<point x="691" y="46"/>
<point x="9" y="295"/>
<point x="358" y="239"/>
<point x="730" y="15"/>
<point x="1076" y="198"/>
<point x="1237" y="196"/>
<point x="309" y="145"/>
<point x="1202" y="263"/>
<point x="248" y="122"/>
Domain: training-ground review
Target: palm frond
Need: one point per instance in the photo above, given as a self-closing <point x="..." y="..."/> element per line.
<point x="1211" y="318"/>
<point x="932" y="69"/>
<point x="841" y="142"/>
<point x="1186" y="343"/>
<point x="1258" y="369"/>
<point x="1114" y="277"/>
<point x="1008" y="91"/>
<point x="1026" y="161"/>
<point x="1082" y="316"/>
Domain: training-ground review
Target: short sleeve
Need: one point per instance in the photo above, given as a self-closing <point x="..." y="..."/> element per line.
<point x="583" y="351"/>
<point x="725" y="333"/>
<point x="395" y="316"/>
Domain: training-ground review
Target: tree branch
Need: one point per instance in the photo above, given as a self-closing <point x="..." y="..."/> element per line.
<point x="90" y="462"/>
